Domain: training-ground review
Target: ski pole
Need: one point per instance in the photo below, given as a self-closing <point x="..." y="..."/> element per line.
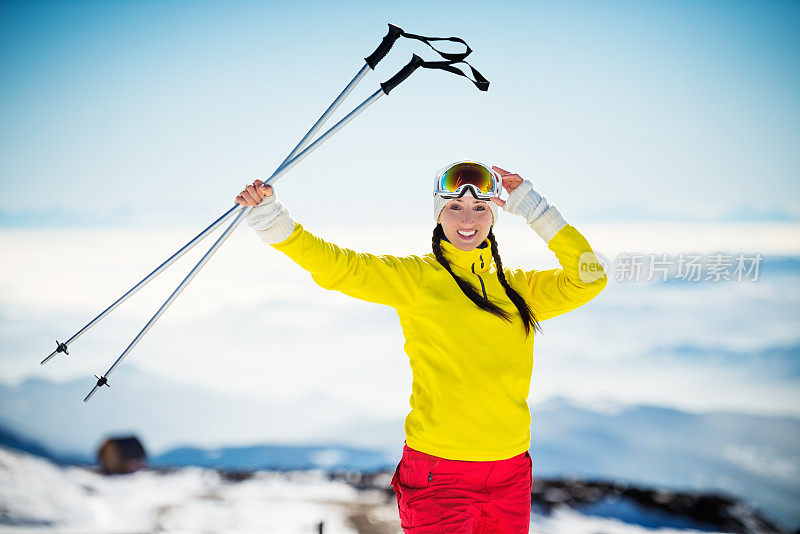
<point x="62" y="347"/>
<point x="403" y="74"/>
<point x="370" y="62"/>
<point x="386" y="88"/>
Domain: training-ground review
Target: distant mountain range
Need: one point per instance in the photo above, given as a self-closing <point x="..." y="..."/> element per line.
<point x="753" y="457"/>
<point x="14" y="441"/>
<point x="276" y="457"/>
<point x="164" y="413"/>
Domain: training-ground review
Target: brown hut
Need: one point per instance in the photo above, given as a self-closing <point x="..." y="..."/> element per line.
<point x="121" y="455"/>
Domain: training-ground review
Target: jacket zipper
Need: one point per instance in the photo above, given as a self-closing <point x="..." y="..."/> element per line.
<point x="483" y="287"/>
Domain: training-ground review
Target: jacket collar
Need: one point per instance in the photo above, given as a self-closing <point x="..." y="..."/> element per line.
<point x="478" y="259"/>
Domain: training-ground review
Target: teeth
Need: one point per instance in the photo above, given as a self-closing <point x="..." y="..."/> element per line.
<point x="467" y="234"/>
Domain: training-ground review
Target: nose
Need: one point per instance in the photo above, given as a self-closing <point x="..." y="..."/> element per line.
<point x="468" y="218"/>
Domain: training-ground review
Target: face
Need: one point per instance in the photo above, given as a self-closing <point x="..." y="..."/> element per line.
<point x="466" y="221"/>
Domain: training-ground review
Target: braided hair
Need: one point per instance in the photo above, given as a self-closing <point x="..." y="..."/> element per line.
<point x="528" y="318"/>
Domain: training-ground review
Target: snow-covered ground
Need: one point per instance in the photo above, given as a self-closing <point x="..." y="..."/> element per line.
<point x="38" y="496"/>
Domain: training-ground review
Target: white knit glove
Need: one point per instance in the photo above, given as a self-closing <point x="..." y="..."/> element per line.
<point x="544" y="218"/>
<point x="272" y="222"/>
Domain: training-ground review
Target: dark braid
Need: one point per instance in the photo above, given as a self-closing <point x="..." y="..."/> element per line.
<point x="472" y="293"/>
<point x="528" y="318"/>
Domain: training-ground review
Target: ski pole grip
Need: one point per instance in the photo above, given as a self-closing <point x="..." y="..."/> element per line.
<point x="401" y="76"/>
<point x="394" y="34"/>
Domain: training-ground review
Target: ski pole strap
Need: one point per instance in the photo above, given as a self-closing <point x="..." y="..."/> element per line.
<point x="417" y="62"/>
<point x="395" y="32"/>
<point x="450" y="56"/>
<point x="480" y="82"/>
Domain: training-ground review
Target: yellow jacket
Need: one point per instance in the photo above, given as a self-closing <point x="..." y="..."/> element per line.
<point x="471" y="369"/>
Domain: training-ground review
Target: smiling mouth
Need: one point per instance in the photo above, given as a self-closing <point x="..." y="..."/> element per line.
<point x="467" y="234"/>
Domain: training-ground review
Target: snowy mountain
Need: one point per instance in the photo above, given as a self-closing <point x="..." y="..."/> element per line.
<point x="275" y="457"/>
<point x="14" y="441"/>
<point x="37" y="494"/>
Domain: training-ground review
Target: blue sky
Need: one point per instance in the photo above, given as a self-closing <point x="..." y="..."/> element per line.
<point x="156" y="113"/>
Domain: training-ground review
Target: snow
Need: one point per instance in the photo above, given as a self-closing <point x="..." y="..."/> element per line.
<point x="37" y="496"/>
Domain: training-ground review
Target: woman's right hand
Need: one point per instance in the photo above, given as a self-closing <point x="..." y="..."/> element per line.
<point x="255" y="193"/>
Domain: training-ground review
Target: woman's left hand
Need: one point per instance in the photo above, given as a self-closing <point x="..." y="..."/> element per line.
<point x="510" y="182"/>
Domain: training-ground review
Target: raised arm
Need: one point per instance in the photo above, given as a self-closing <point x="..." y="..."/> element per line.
<point x="581" y="276"/>
<point x="390" y="280"/>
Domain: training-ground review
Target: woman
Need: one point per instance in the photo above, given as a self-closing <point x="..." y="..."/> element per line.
<point x="468" y="324"/>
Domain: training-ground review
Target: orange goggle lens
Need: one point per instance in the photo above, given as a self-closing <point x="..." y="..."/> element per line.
<point x="472" y="174"/>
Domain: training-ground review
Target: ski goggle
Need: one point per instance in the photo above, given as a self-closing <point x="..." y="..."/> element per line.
<point x="457" y="179"/>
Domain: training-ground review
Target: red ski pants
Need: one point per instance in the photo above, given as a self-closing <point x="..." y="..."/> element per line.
<point x="437" y="495"/>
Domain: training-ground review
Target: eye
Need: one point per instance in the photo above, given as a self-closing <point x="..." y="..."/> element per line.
<point x="480" y="208"/>
<point x="455" y="207"/>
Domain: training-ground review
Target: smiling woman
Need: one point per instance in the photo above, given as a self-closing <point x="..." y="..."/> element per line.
<point x="465" y="461"/>
<point x="466" y="221"/>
